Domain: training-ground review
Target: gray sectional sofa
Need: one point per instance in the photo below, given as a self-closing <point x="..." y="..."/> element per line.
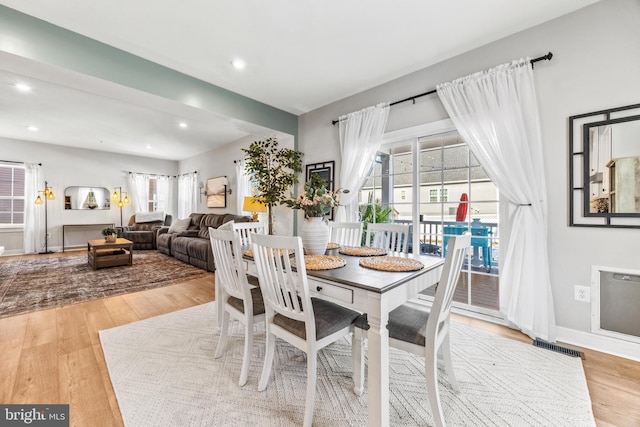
<point x="193" y="245"/>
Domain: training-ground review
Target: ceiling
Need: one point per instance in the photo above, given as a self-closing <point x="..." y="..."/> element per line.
<point x="300" y="55"/>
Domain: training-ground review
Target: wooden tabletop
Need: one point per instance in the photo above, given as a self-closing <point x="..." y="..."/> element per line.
<point x="104" y="244"/>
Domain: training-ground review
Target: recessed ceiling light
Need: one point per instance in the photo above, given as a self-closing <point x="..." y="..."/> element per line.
<point x="238" y="64"/>
<point x="182" y="125"/>
<point x="23" y="87"/>
<point x="33" y="128"/>
<point x="148" y="147"/>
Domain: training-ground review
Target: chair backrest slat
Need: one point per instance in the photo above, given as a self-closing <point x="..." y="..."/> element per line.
<point x="346" y="233"/>
<point x="456" y="251"/>
<point x="282" y="275"/>
<point x="230" y="272"/>
<point x="244" y="230"/>
<point x="393" y="237"/>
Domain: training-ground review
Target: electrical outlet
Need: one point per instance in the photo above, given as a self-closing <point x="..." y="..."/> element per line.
<point x="582" y="293"/>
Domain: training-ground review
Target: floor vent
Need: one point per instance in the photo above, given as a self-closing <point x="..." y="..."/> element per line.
<point x="553" y="347"/>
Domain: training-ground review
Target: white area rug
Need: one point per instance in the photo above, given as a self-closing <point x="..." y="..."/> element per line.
<point x="164" y="374"/>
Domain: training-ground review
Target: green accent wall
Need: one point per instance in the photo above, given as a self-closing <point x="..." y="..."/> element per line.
<point x="32" y="38"/>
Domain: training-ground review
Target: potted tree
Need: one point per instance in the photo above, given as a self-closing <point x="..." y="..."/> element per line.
<point x="274" y="170"/>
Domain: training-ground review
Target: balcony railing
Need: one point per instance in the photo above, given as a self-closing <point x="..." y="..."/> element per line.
<point x="435" y="234"/>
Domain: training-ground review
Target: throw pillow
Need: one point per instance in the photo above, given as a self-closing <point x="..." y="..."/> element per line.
<point x="226" y="226"/>
<point x="179" y="225"/>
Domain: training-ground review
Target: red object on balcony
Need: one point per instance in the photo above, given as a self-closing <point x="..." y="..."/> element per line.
<point x="463" y="207"/>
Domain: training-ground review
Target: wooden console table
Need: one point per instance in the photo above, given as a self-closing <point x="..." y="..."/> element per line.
<point x="65" y="226"/>
<point x="102" y="254"/>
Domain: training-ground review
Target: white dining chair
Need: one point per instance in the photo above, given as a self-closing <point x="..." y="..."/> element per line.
<point x="425" y="331"/>
<point x="244" y="230"/>
<point x="393" y="237"/>
<point x="238" y="300"/>
<point x="308" y="324"/>
<point x="345" y="233"/>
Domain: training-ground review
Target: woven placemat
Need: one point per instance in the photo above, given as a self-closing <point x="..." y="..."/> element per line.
<point x="333" y="245"/>
<point x="391" y="263"/>
<point x="249" y="252"/>
<point x="323" y="262"/>
<point x="362" y="251"/>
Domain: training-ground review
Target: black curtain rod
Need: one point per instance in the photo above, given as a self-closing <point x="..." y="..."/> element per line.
<point x="413" y="98"/>
<point x="17" y="163"/>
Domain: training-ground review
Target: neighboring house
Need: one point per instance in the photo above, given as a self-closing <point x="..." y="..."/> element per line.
<point x="595" y="66"/>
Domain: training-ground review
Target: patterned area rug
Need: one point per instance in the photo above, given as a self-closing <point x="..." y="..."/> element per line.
<point x="32" y="284"/>
<point x="163" y="373"/>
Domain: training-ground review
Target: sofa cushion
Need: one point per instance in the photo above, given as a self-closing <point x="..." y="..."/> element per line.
<point x="196" y="218"/>
<point x="147" y="226"/>
<point x="210" y="220"/>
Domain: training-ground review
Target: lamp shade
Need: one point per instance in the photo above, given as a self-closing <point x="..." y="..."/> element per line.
<point x="254" y="204"/>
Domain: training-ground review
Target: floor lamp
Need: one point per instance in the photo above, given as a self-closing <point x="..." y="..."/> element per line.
<point x="117" y="195"/>
<point x="47" y="195"/>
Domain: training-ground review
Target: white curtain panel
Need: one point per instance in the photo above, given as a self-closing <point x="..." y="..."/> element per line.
<point x="361" y="134"/>
<point x="139" y="184"/>
<point x="244" y="186"/>
<point x="33" y="237"/>
<point x="187" y="194"/>
<point x="496" y="113"/>
<point x="163" y="190"/>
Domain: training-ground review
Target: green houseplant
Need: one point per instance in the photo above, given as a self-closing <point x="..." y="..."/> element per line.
<point x="110" y="234"/>
<point x="373" y="212"/>
<point x="274" y="171"/>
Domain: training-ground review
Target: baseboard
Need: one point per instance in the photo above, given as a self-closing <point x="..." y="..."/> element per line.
<point x="13" y="252"/>
<point x="613" y="346"/>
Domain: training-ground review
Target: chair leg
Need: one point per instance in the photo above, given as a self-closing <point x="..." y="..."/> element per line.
<point x="248" y="347"/>
<point x="431" y="370"/>
<point x="224" y="333"/>
<point x="357" y="352"/>
<point x="268" y="361"/>
<point x="312" y="363"/>
<point x="446" y="354"/>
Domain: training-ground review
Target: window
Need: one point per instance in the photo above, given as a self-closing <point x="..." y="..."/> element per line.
<point x="153" y="195"/>
<point x="11" y="195"/>
<point x="447" y="173"/>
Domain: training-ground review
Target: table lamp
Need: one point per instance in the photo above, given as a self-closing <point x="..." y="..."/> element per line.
<point x="254" y="205"/>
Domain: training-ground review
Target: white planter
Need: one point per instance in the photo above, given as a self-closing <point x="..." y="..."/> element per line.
<point x="315" y="236"/>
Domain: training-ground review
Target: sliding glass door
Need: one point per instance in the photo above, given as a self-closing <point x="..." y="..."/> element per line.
<point x="435" y="184"/>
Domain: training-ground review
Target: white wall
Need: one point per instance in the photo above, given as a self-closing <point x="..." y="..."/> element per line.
<point x="595" y="66"/>
<point x="65" y="166"/>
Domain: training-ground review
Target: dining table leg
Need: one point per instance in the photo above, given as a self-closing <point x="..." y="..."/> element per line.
<point x="378" y="356"/>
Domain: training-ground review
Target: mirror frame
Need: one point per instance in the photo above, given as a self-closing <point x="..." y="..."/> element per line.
<point x="579" y="198"/>
<point x="68" y="204"/>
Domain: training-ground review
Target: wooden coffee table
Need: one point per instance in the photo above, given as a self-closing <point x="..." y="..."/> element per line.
<point x="102" y="254"/>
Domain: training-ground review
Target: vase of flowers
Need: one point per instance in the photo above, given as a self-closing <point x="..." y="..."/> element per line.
<point x="316" y="201"/>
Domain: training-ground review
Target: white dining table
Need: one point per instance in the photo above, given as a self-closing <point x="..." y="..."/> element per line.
<point x="376" y="293"/>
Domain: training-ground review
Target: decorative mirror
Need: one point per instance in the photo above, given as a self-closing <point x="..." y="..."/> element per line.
<point x="88" y="198"/>
<point x="604" y="168"/>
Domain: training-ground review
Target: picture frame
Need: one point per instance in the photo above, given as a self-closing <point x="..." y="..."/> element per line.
<point x="326" y="171"/>
<point x="216" y="192"/>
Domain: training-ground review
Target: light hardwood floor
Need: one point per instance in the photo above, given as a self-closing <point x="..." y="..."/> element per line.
<point x="54" y="356"/>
